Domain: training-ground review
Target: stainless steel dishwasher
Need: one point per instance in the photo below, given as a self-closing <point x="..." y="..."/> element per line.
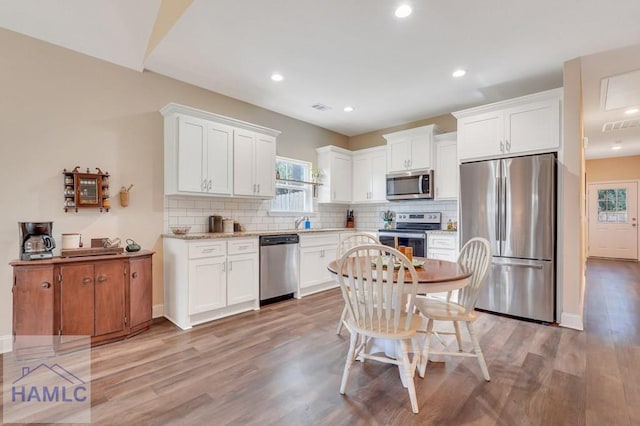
<point x="279" y="270"/>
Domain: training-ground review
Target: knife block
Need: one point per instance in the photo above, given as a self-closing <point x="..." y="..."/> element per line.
<point x="351" y="223"/>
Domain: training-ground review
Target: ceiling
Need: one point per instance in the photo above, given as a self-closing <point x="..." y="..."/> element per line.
<point x="345" y="52"/>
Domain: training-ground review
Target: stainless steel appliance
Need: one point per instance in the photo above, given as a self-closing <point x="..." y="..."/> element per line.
<point x="279" y="270"/>
<point x="410" y="231"/>
<point x="512" y="203"/>
<point x="410" y="185"/>
<point x="36" y="241"/>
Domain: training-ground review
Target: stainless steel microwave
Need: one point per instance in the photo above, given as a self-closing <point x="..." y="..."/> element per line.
<point x="410" y="185"/>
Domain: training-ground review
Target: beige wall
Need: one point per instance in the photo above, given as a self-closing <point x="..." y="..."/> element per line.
<point x="570" y="257"/>
<point x="446" y="122"/>
<point x="618" y="168"/>
<point x="60" y="109"/>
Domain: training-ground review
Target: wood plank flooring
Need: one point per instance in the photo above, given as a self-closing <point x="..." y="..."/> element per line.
<point x="283" y="365"/>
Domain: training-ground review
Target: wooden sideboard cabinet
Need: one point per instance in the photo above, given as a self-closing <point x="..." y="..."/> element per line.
<point x="105" y="297"/>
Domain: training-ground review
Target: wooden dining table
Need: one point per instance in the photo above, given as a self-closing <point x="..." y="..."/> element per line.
<point x="434" y="276"/>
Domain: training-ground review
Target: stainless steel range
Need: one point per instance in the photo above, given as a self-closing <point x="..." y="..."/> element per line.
<point x="410" y="231"/>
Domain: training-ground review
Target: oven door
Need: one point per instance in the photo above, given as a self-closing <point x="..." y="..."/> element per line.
<point x="418" y="241"/>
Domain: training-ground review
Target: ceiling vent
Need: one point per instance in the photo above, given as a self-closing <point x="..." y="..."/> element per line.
<point x="321" y="107"/>
<point x="619" y="125"/>
<point x="620" y="91"/>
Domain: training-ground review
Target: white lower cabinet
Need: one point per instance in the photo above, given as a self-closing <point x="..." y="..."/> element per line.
<point x="316" y="251"/>
<point x="442" y="246"/>
<point x="209" y="279"/>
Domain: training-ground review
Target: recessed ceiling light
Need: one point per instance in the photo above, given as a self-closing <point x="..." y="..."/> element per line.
<point x="632" y="111"/>
<point x="616" y="147"/>
<point x="348" y="109"/>
<point x="458" y="73"/>
<point x="277" y="77"/>
<point x="403" y="11"/>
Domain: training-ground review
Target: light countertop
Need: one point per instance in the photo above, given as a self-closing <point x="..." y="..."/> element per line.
<point x="210" y="235"/>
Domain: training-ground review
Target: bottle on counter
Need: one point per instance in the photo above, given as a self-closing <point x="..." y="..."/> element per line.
<point x="449" y="225"/>
<point x="307" y="224"/>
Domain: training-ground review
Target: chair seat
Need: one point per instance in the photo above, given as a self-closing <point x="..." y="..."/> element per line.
<point x="441" y="310"/>
<point x="416" y="324"/>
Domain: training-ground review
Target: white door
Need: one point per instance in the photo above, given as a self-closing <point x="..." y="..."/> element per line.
<point x="532" y="127"/>
<point x="242" y="280"/>
<point x="613" y="220"/>
<point x="219" y="146"/>
<point x="362" y="173"/>
<point x="313" y="265"/>
<point x="192" y="140"/>
<point x="379" y="176"/>
<point x="480" y="135"/>
<point x="446" y="173"/>
<point x="243" y="163"/>
<point x="398" y="155"/>
<point x="207" y="284"/>
<point x="341" y="178"/>
<point x="265" y="165"/>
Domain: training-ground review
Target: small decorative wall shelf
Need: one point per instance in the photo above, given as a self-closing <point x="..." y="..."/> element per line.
<point x="86" y="189"/>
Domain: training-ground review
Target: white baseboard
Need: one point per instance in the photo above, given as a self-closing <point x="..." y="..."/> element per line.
<point x="6" y="343"/>
<point x="158" y="311"/>
<point x="571" y="321"/>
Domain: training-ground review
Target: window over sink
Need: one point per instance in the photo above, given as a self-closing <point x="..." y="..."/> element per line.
<point x="294" y="189"/>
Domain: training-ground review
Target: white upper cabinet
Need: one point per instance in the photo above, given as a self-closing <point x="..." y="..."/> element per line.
<point x="203" y="152"/>
<point x="410" y="149"/>
<point x="210" y="154"/>
<point x="335" y="164"/>
<point x="446" y="174"/>
<point x="369" y="175"/>
<point x="529" y="124"/>
<point x="254" y="164"/>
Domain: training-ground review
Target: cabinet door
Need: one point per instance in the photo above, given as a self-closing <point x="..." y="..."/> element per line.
<point x="340" y="178"/>
<point x="362" y="174"/>
<point x="379" y="176"/>
<point x="446" y="172"/>
<point x="265" y="165"/>
<point x="77" y="300"/>
<point x="207" y="284"/>
<point x="421" y="152"/>
<point x="140" y="291"/>
<point x="109" y="296"/>
<point x="533" y="127"/>
<point x="33" y="300"/>
<point x="242" y="279"/>
<point x="313" y="265"/>
<point x="398" y="154"/>
<point x="192" y="141"/>
<point x="480" y="135"/>
<point x="219" y="151"/>
<point x="243" y="163"/>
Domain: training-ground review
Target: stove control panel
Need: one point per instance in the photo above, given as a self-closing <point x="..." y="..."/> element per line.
<point x="435" y="217"/>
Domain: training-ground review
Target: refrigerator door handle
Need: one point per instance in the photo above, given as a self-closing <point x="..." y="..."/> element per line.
<point x="503" y="209"/>
<point x="498" y="187"/>
<point x="522" y="265"/>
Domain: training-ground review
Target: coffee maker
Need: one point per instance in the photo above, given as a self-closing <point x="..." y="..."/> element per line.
<point x="36" y="241"/>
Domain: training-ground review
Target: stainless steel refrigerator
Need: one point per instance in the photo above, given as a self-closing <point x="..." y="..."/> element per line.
<point x="512" y="203"/>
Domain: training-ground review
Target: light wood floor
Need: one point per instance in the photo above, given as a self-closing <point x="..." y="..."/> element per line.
<point x="283" y="366"/>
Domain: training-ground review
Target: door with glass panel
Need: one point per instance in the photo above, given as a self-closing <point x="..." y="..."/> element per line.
<point x="613" y="219"/>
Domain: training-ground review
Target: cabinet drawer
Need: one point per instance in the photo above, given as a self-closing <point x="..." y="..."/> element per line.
<point x="441" y="254"/>
<point x="442" y="241"/>
<point x="239" y="246"/>
<point x="319" y="240"/>
<point x="207" y="249"/>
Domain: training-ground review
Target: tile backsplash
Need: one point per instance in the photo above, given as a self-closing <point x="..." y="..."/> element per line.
<point x="253" y="215"/>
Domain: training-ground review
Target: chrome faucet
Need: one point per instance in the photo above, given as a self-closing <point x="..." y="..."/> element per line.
<point x="301" y="220"/>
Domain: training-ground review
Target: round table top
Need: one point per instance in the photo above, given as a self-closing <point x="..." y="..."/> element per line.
<point x="433" y="271"/>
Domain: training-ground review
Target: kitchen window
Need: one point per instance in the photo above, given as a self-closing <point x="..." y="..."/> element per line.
<point x="294" y="190"/>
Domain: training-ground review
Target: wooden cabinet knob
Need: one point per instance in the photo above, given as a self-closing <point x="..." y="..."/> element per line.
<point x="134" y="275"/>
<point x="45" y="285"/>
<point x="86" y="280"/>
<point x="102" y="279"/>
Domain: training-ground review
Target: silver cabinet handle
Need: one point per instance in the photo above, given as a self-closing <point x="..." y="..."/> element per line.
<point x="258" y="188"/>
<point x="210" y="185"/>
<point x="521" y="266"/>
<point x="501" y="146"/>
<point x="224" y="267"/>
<point x="230" y="265"/>
<point x="508" y="145"/>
